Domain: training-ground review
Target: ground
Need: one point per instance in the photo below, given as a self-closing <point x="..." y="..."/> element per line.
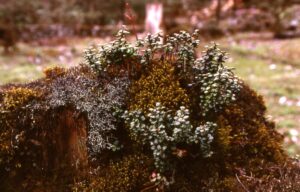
<point x="272" y="67"/>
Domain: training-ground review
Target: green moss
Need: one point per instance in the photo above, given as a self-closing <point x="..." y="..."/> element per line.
<point x="127" y="174"/>
<point x="223" y="135"/>
<point x="251" y="139"/>
<point x="13" y="99"/>
<point x="160" y="85"/>
<point x="5" y="146"/>
<point x="228" y="184"/>
<point x="17" y="97"/>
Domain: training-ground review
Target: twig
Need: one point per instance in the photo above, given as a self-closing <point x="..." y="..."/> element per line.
<point x="238" y="179"/>
<point x="149" y="187"/>
<point x="131" y="17"/>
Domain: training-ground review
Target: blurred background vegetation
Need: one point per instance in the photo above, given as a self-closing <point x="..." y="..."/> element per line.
<point x="262" y="38"/>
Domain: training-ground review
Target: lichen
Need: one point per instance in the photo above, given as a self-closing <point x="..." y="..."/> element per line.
<point x="96" y="99"/>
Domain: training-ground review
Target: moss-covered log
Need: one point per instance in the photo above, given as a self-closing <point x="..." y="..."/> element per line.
<point x="169" y="126"/>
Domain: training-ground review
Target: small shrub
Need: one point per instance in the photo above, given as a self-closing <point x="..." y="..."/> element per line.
<point x="217" y="83"/>
<point x="162" y="132"/>
<point x="178" y="50"/>
<point x="115" y="54"/>
<point x="158" y="104"/>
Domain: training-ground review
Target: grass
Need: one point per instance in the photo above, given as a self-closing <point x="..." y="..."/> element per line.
<point x="17" y="74"/>
<point x="272" y="67"/>
<point x="29" y="61"/>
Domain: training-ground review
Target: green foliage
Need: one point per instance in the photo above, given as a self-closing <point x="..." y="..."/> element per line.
<point x="118" y="52"/>
<point x="162" y="132"/>
<point x="218" y="85"/>
<point x="151" y="44"/>
<point x="182" y="47"/>
<point x="178" y="50"/>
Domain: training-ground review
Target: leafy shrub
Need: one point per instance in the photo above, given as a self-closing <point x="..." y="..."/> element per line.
<point x="118" y="52"/>
<point x="158" y="115"/>
<point x="162" y="132"/>
<point x="217" y="83"/>
<point x="178" y="50"/>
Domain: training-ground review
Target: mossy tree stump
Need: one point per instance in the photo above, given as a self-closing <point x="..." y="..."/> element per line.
<point x="174" y="123"/>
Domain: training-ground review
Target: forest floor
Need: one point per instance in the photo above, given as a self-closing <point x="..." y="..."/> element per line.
<point x="272" y="67"/>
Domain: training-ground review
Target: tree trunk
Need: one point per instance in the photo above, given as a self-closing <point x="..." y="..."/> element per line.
<point x="218" y="10"/>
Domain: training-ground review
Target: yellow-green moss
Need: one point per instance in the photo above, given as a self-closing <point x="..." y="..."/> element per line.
<point x="223" y="134"/>
<point x="254" y="140"/>
<point x="52" y="72"/>
<point x="5" y="145"/>
<point x="17" y="97"/>
<point x="228" y="184"/>
<point x="128" y="174"/>
<point x="13" y="98"/>
<point x="267" y="144"/>
<point x="160" y="85"/>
